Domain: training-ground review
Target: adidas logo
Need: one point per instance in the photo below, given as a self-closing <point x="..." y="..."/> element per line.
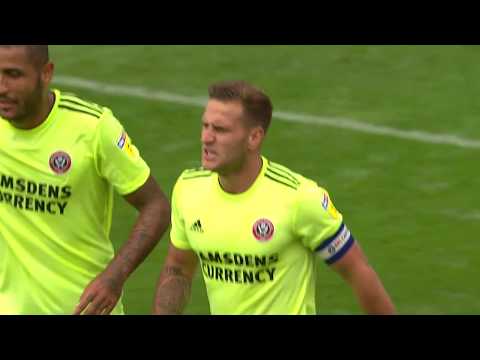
<point x="197" y="226"/>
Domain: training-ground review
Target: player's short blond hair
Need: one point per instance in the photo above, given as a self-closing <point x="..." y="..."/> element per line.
<point x="256" y="104"/>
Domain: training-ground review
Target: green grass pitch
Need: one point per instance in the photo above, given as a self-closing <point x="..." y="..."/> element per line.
<point x="413" y="206"/>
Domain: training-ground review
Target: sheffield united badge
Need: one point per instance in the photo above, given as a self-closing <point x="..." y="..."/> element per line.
<point x="60" y="162"/>
<point x="263" y="230"/>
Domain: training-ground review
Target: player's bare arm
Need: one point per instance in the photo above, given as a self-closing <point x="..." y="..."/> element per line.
<point x="367" y="286"/>
<point x="175" y="282"/>
<point x="102" y="294"/>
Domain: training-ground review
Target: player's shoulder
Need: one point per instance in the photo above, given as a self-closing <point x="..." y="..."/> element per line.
<point x="190" y="186"/>
<point x="79" y="107"/>
<point x="194" y="175"/>
<point x="289" y="178"/>
<point x="283" y="175"/>
<point x="191" y="182"/>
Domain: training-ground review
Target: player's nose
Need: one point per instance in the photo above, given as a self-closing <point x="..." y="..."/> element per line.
<point x="207" y="136"/>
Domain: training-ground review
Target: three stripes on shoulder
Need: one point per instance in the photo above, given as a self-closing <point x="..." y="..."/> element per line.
<point x="196" y="173"/>
<point x="274" y="172"/>
<point x="74" y="103"/>
<point x="282" y="175"/>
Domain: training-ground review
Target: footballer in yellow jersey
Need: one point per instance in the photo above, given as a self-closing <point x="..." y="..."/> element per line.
<point x="61" y="160"/>
<point x="254" y="227"/>
<point x="257" y="249"/>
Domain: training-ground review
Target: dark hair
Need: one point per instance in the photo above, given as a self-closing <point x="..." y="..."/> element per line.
<point x="257" y="106"/>
<point x="38" y="54"/>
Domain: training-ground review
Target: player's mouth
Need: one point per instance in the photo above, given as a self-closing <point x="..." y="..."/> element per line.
<point x="208" y="154"/>
<point x="6" y="104"/>
<point x="7" y="108"/>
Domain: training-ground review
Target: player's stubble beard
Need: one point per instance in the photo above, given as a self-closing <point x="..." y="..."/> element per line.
<point x="30" y="106"/>
<point x="234" y="166"/>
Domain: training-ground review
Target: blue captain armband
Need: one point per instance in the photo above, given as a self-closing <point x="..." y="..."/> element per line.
<point x="333" y="249"/>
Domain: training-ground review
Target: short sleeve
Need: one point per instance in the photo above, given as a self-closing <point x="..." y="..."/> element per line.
<point x="319" y="225"/>
<point x="178" y="235"/>
<point x="117" y="159"/>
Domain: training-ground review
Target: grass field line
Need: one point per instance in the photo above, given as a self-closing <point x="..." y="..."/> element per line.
<point x="341" y="123"/>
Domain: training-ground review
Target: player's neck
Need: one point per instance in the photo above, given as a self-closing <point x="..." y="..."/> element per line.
<point x="240" y="181"/>
<point x="40" y="115"/>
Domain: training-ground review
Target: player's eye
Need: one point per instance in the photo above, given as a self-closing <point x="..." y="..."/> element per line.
<point x="13" y="73"/>
<point x="219" y="129"/>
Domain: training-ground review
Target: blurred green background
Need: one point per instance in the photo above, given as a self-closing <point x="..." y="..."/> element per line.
<point x="412" y="205"/>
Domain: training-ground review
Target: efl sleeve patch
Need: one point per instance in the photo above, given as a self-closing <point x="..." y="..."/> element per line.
<point x="125" y="144"/>
<point x="117" y="159"/>
<point x="336" y="246"/>
<point x="327" y="204"/>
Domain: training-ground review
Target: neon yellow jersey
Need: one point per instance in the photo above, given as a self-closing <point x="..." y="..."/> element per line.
<point x="56" y="199"/>
<point x="258" y="249"/>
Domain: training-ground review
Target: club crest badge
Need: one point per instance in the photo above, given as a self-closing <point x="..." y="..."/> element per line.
<point x="60" y="162"/>
<point x="263" y="230"/>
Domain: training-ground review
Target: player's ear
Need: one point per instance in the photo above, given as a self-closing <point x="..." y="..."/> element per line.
<point x="255" y="138"/>
<point x="47" y="72"/>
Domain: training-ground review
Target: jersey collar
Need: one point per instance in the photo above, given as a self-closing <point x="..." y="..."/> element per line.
<point x="45" y="124"/>
<point x="246" y="193"/>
